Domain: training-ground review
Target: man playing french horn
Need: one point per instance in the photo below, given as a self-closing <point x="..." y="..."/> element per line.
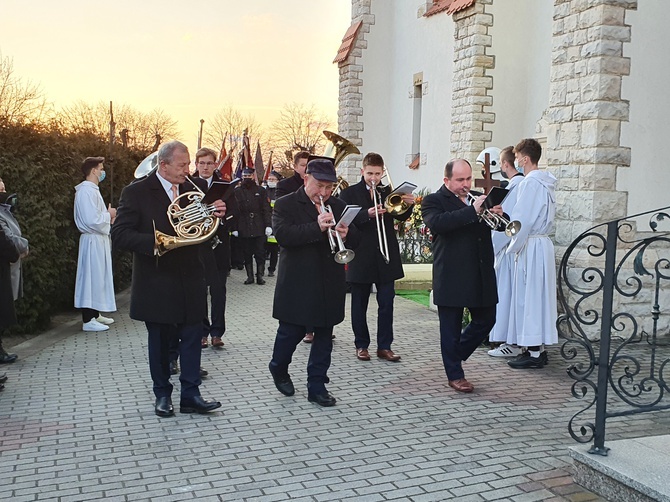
<point x="311" y="285"/>
<point x="168" y="291"/>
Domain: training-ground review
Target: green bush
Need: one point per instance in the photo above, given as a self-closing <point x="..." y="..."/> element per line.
<point x="42" y="167"/>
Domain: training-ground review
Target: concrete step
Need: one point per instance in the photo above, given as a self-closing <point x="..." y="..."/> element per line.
<point x="635" y="470"/>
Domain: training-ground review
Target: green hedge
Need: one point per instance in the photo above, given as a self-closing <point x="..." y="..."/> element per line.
<point x="42" y="167"/>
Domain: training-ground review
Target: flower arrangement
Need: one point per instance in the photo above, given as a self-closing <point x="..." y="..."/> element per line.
<point x="414" y="236"/>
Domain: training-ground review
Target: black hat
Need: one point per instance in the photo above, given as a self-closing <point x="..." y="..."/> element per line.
<point x="247" y="171"/>
<point x="322" y="168"/>
<point x="275" y="174"/>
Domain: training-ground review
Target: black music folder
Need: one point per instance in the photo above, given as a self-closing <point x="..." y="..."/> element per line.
<point x="495" y="197"/>
<point x="220" y="190"/>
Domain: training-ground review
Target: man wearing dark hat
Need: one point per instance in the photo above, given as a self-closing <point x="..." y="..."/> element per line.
<point x="308" y="271"/>
<point x="252" y="224"/>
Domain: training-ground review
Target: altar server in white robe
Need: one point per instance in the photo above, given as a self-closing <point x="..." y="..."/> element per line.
<point x="504" y="263"/>
<point x="94" y="289"/>
<point x="533" y="312"/>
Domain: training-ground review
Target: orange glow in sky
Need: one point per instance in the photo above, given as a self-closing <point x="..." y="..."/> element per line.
<point x="189" y="58"/>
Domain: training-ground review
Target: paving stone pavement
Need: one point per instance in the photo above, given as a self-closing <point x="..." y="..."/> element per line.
<point x="77" y="420"/>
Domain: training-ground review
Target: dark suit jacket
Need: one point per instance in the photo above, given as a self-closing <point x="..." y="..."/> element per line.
<point x="8" y="254"/>
<point x="463" y="274"/>
<point x="288" y="185"/>
<point x="311" y="286"/>
<point x="170" y="289"/>
<point x="369" y="266"/>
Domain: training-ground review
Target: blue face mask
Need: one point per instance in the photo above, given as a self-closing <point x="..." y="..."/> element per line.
<point x="518" y="167"/>
<point x="102" y="176"/>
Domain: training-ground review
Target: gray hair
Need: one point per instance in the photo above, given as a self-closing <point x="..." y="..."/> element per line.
<point x="166" y="150"/>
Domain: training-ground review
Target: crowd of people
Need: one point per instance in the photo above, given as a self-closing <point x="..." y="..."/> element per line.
<point x="506" y="282"/>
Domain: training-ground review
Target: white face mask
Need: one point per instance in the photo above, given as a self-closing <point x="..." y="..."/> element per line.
<point x="272" y="184"/>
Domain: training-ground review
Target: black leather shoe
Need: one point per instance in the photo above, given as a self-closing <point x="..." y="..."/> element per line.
<point x="271" y="273"/>
<point x="6" y="358"/>
<point x="203" y="372"/>
<point x="197" y="404"/>
<point x="3" y="378"/>
<point x="283" y="384"/>
<point x="260" y="280"/>
<point x="164" y="407"/>
<point x="324" y="399"/>
<point x="250" y="280"/>
<point x="174" y="368"/>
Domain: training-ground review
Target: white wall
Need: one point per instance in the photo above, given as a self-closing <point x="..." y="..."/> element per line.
<point x="399" y="46"/>
<point x="648" y="90"/>
<point x="521" y="43"/>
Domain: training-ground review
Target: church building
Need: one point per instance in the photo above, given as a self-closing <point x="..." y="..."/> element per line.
<point x="422" y="82"/>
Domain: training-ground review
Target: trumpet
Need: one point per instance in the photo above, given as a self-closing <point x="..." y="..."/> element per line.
<point x="342" y="254"/>
<point x="381" y="228"/>
<point x="494" y="220"/>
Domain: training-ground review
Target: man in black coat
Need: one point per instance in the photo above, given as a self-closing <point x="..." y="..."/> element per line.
<point x="252" y="225"/>
<point x="290" y="185"/>
<point x="311" y="285"/>
<point x="169" y="292"/>
<point x="370" y="266"/>
<point x="8" y="254"/>
<point x="217" y="259"/>
<point x="463" y="274"/>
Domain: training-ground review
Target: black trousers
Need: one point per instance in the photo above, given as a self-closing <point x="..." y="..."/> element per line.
<point x="216" y="282"/>
<point x="288" y="337"/>
<point x="254" y="249"/>
<point x="272" y="249"/>
<point x="161" y="338"/>
<point x="360" y="297"/>
<point x="458" y="345"/>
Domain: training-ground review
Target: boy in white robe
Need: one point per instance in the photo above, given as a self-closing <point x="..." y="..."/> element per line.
<point x="533" y="312"/>
<point x="94" y="287"/>
<point x="504" y="263"/>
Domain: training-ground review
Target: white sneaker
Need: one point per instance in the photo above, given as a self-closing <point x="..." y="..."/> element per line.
<point x="505" y="350"/>
<point x="94" y="325"/>
<point x="104" y="320"/>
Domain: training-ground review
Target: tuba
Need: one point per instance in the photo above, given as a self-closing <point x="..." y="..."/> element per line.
<point x="147" y="166"/>
<point x="337" y="150"/>
<point x="194" y="224"/>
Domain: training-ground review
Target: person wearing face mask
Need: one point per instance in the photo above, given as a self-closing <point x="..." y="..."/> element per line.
<point x="94" y="287"/>
<point x="271" y="246"/>
<point x="533" y="313"/>
<point x="370" y="267"/>
<point x="252" y="224"/>
<point x="504" y="263"/>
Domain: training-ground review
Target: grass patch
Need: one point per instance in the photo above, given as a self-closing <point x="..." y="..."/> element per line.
<point x="416" y="295"/>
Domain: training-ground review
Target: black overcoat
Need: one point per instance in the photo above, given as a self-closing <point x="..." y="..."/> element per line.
<point x="8" y="254"/>
<point x="252" y="211"/>
<point x="311" y="285"/>
<point x="463" y="274"/>
<point x="369" y="266"/>
<point x="289" y="185"/>
<point x="169" y="289"/>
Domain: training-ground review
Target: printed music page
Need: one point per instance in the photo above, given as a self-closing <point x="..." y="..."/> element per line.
<point x="349" y="214"/>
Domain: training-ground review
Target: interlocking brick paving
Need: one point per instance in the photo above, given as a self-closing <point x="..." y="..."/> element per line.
<point x="78" y="422"/>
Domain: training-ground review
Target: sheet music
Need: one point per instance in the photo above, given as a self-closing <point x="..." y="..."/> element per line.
<point x="348" y="215"/>
<point x="404" y="188"/>
<point x="220" y="190"/>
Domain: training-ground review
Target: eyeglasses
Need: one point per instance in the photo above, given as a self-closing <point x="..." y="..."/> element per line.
<point x="208" y="164"/>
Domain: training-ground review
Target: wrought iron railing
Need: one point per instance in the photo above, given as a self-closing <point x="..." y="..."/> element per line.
<point x="415" y="246"/>
<point x="612" y="282"/>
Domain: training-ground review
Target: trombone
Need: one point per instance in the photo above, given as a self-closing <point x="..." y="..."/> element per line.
<point x="494" y="220"/>
<point x="342" y="254"/>
<point x="379" y="219"/>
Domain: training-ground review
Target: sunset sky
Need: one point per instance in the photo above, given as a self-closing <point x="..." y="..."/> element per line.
<point x="188" y="58"/>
